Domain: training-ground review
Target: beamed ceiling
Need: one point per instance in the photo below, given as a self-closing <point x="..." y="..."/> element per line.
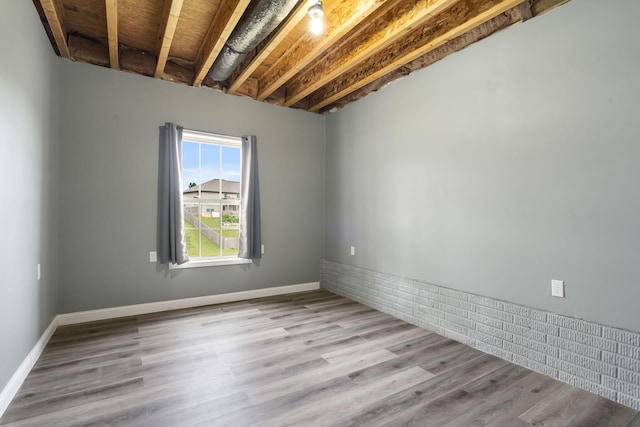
<point x="365" y="44"/>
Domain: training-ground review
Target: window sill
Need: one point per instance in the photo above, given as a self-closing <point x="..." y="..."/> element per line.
<point x="210" y="263"/>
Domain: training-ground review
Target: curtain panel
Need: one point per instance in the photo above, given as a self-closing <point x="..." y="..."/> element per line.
<point x="172" y="248"/>
<point x="250" y="231"/>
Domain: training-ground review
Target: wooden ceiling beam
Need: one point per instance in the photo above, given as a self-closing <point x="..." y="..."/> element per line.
<point x="170" y="16"/>
<point x="53" y="12"/>
<point x="382" y="32"/>
<point x="459" y="19"/>
<point x="341" y="19"/>
<point x="292" y="21"/>
<point x="223" y="24"/>
<point x="112" y="33"/>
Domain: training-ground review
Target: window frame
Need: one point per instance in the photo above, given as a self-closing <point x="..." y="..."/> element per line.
<point x="190" y="135"/>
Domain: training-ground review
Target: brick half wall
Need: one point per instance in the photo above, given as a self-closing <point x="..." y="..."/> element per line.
<point x="597" y="358"/>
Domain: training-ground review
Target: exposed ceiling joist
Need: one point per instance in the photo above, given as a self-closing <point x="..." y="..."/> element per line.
<point x="379" y="34"/>
<point x="170" y="16"/>
<point x="463" y="17"/>
<point x="225" y="21"/>
<point x="366" y="43"/>
<point x="480" y="32"/>
<point x="294" y="19"/>
<point x="339" y="21"/>
<point x="53" y="12"/>
<point x="112" y="32"/>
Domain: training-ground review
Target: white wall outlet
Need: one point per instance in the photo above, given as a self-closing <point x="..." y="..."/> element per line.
<point x="153" y="256"/>
<point x="262" y="249"/>
<point x="39" y="272"/>
<point x="557" y="288"/>
<point x="353" y="250"/>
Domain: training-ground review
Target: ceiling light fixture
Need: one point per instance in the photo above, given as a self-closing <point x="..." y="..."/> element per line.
<point x="316" y="13"/>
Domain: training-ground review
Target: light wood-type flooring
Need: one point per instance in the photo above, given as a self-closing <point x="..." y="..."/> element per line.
<point x="307" y="359"/>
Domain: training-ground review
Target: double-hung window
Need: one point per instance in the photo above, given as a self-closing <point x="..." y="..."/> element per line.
<point x="211" y="181"/>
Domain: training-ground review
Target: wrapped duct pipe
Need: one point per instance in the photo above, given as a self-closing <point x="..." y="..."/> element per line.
<point x="255" y="25"/>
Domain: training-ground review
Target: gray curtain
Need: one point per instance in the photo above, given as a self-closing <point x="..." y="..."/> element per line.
<point x="171" y="242"/>
<point x="250" y="239"/>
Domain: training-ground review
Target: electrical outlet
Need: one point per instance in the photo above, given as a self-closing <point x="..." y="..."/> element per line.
<point x="153" y="256"/>
<point x="262" y="249"/>
<point x="353" y="250"/>
<point x="557" y="288"/>
<point x="39" y="272"/>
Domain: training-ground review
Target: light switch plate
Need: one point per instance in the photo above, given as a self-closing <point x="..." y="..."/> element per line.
<point x="153" y="256"/>
<point x="557" y="288"/>
<point x="353" y="250"/>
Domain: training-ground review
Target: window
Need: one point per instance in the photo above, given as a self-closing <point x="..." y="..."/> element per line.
<point x="211" y="180"/>
<point x="195" y="171"/>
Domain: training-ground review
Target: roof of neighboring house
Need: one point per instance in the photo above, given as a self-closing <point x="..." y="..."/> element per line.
<point x="213" y="186"/>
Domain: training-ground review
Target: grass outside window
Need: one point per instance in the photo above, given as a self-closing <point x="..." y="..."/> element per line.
<point x="208" y="247"/>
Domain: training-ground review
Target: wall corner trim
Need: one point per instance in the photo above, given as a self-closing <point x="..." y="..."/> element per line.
<point x="9" y="391"/>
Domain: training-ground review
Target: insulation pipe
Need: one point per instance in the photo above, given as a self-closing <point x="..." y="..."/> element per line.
<point x="255" y="25"/>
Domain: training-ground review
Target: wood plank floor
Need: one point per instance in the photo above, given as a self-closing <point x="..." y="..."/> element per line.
<point x="308" y="359"/>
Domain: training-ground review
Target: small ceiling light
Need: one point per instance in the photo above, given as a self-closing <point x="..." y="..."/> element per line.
<point x="316" y="13"/>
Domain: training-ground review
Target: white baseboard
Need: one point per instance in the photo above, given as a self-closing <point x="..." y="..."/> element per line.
<point x="9" y="391"/>
<point x="12" y="387"/>
<point x="155" y="307"/>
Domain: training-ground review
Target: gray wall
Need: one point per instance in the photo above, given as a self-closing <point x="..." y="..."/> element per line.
<point x="28" y="183"/>
<point x="108" y="183"/>
<point x="508" y="164"/>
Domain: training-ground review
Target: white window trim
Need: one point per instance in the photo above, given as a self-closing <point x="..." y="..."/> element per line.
<point x="224" y="140"/>
<point x="210" y="262"/>
<point x="211" y="138"/>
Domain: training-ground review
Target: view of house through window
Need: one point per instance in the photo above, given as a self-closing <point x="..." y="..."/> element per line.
<point x="211" y="194"/>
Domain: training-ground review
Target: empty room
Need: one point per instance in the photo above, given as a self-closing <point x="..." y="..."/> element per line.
<point x="320" y="213"/>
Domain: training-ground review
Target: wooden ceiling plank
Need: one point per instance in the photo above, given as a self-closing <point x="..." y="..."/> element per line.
<point x="225" y="21"/>
<point x="379" y="34"/>
<point x="339" y="21"/>
<point x="292" y="21"/>
<point x="423" y="41"/>
<point x="53" y="12"/>
<point x="112" y="32"/>
<point x="170" y="16"/>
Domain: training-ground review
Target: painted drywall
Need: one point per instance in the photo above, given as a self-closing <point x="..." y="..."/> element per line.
<point x="108" y="185"/>
<point x="28" y="183"/>
<point x="510" y="163"/>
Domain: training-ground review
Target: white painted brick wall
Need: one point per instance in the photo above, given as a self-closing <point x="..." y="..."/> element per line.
<point x="587" y="339"/>
<point x="629" y="376"/>
<point x="497" y="333"/>
<point x="629" y="351"/>
<point x="624" y="337"/>
<point x="601" y="359"/>
<point x="585" y="350"/>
